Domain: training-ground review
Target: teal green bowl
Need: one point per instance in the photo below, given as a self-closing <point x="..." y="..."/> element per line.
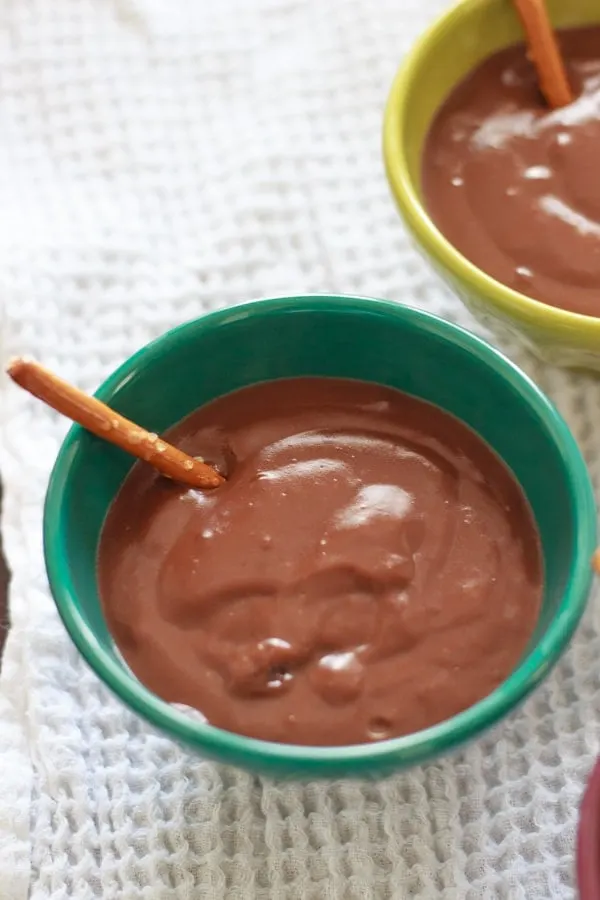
<point x="344" y="337"/>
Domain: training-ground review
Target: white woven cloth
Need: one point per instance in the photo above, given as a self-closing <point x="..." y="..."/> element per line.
<point x="159" y="159"/>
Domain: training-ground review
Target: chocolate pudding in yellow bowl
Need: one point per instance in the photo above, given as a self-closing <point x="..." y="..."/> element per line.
<point x="495" y="188"/>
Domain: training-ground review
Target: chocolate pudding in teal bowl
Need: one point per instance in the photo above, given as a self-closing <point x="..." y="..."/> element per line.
<point x="398" y="557"/>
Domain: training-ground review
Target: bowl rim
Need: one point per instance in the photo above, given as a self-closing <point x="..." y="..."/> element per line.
<point x="556" y="321"/>
<point x="588" y="838"/>
<point x="402" y="751"/>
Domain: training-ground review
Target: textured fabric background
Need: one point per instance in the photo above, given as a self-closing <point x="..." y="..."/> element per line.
<point x="159" y="158"/>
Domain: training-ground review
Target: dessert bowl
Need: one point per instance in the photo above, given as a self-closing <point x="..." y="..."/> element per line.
<point x="588" y="839"/>
<point x="457" y="42"/>
<point x="344" y="337"/>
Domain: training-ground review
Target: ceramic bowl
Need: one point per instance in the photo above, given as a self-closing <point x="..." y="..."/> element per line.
<point x="588" y="839"/>
<point x="371" y="340"/>
<point x="465" y="35"/>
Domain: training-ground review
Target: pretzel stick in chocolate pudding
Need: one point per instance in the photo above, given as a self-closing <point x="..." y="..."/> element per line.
<point x="545" y="52"/>
<point x="109" y="425"/>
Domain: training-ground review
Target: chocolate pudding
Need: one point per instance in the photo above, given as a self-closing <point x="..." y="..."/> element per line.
<point x="514" y="186"/>
<point x="370" y="567"/>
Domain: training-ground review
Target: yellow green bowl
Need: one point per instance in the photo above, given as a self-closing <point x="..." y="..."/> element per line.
<point x="465" y="35"/>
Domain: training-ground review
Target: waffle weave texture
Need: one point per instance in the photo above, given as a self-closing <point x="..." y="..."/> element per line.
<point x="158" y="160"/>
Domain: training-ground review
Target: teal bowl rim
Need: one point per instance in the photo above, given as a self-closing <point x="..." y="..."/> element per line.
<point x="402" y="751"/>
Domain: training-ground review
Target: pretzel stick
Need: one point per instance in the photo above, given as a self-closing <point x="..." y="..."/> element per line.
<point x="545" y="52"/>
<point x="109" y="425"/>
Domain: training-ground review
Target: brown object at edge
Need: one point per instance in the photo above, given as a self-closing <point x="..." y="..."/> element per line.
<point x="596" y="561"/>
<point x="111" y="426"/>
<point x="4" y="585"/>
<point x="545" y="52"/>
